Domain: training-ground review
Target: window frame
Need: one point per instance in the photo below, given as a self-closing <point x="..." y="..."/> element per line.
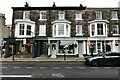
<point x="42" y="31"/>
<point x="98" y="14"/>
<point x="41" y="15"/>
<point x="63" y="15"/>
<point x="77" y="34"/>
<point x="115" y="17"/>
<point x="78" y="13"/>
<point x="24" y="15"/>
<point x="65" y="34"/>
<point x="96" y="29"/>
<point x="116" y="29"/>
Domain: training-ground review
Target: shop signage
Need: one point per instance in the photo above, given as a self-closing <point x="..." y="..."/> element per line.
<point x="88" y="42"/>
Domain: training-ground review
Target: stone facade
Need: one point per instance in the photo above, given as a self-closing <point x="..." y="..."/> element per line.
<point x="78" y="45"/>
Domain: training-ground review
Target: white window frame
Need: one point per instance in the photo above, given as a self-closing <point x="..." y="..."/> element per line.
<point x="78" y="16"/>
<point x="42" y="30"/>
<point x="26" y="13"/>
<point x="80" y="33"/>
<point x="116" y="29"/>
<point x="95" y="33"/>
<point x="42" y="15"/>
<point x="56" y="33"/>
<point x="98" y="14"/>
<point x="61" y="15"/>
<point x="114" y="15"/>
<point x="17" y="28"/>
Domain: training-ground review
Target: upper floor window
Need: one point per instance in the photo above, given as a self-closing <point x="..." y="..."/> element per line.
<point x="26" y="15"/>
<point x="28" y="30"/>
<point x="115" y="29"/>
<point x="78" y="29"/>
<point x="42" y="30"/>
<point x="24" y="28"/>
<point x="43" y="15"/>
<point x="98" y="15"/>
<point x="78" y="16"/>
<point x="61" y="15"/>
<point x="21" y="29"/>
<point x="114" y="15"/>
<point x="61" y="30"/>
<point x="98" y="29"/>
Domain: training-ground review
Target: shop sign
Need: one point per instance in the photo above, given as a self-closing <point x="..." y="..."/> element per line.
<point x="88" y="42"/>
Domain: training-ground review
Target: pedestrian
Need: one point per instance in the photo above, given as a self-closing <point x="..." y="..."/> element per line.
<point x="92" y="49"/>
<point x="23" y="50"/>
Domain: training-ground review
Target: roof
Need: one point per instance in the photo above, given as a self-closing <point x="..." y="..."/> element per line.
<point x="49" y="8"/>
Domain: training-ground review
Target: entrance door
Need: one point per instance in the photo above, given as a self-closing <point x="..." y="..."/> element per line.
<point x="99" y="47"/>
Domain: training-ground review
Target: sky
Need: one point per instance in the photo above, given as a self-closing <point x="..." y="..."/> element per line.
<point x="5" y="5"/>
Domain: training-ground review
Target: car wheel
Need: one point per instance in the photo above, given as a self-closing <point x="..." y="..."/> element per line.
<point x="95" y="63"/>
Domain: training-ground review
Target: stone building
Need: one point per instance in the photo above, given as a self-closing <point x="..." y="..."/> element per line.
<point x="52" y="31"/>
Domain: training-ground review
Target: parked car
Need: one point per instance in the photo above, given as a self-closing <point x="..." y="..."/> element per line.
<point x="106" y="58"/>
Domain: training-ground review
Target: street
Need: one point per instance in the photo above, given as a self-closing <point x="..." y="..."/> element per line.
<point x="57" y="70"/>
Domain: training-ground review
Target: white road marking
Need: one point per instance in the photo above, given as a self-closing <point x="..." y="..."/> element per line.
<point x="15" y="75"/>
<point x="107" y="67"/>
<point x="4" y="67"/>
<point x="42" y="67"/>
<point x="81" y="67"/>
<point x="56" y="67"/>
<point x="17" y="67"/>
<point x="29" y="67"/>
<point x="94" y="67"/>
<point x="68" y="67"/>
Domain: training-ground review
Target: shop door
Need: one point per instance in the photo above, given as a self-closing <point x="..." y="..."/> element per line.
<point x="99" y="47"/>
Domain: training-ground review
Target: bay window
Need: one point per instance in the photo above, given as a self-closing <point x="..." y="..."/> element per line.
<point x="98" y="29"/>
<point x="24" y="28"/>
<point x="61" y="30"/>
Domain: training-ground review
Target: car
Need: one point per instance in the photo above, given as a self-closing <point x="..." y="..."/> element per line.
<point x="104" y="58"/>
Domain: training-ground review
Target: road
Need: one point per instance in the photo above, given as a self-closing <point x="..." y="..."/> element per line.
<point x="57" y="70"/>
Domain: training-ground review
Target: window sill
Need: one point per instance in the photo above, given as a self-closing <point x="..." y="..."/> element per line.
<point x="78" y="19"/>
<point x="42" y="19"/>
<point x="79" y="34"/>
<point x="114" y="19"/>
<point x="41" y="35"/>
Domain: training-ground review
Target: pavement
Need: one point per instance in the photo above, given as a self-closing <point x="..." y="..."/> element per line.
<point x="43" y="59"/>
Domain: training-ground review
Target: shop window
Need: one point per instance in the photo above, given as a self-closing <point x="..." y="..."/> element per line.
<point x="65" y="45"/>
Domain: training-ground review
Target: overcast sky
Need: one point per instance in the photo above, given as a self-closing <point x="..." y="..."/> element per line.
<point x="5" y="5"/>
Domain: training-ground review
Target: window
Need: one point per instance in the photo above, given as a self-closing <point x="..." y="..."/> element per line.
<point x="42" y="30"/>
<point x="78" y="29"/>
<point x="114" y="15"/>
<point x="78" y="15"/>
<point x="115" y="29"/>
<point x="22" y="26"/>
<point x="98" y="15"/>
<point x="99" y="29"/>
<point x="28" y="30"/>
<point x="93" y="29"/>
<point x="61" y="15"/>
<point x="43" y="15"/>
<point x="60" y="29"/>
<point x="26" y="15"/>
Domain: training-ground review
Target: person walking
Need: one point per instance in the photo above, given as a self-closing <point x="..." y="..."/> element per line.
<point x="23" y="51"/>
<point x="92" y="49"/>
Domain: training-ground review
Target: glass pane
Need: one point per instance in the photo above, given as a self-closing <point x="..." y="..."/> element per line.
<point x="60" y="29"/>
